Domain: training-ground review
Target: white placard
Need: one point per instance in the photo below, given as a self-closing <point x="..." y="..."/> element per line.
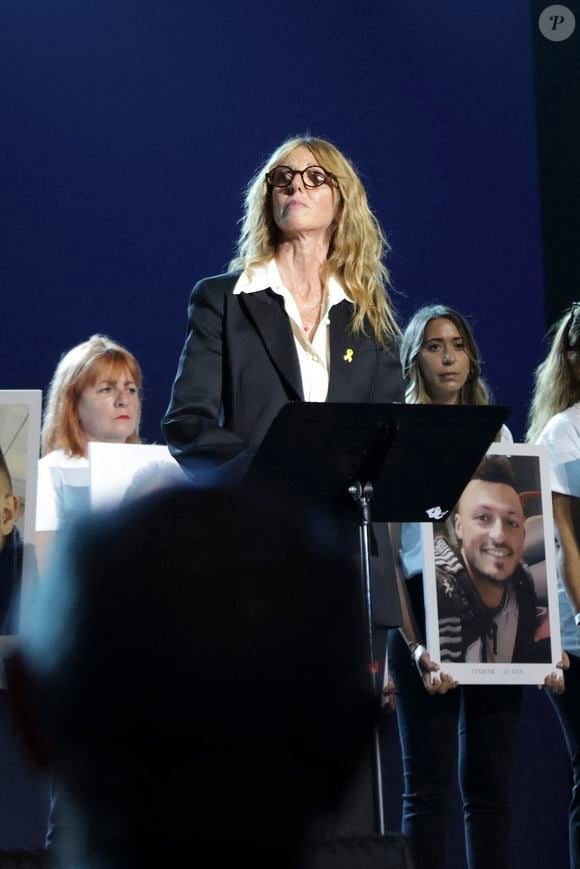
<point x="517" y="640"/>
<point x="119" y="472"/>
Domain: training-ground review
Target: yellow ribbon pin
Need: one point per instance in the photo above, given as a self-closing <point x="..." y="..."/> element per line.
<point x="348" y="355"/>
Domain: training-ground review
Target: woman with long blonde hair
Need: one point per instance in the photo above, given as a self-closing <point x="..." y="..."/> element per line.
<point x="554" y="422"/>
<point x="303" y="315"/>
<point x="356" y="245"/>
<point x="556" y="386"/>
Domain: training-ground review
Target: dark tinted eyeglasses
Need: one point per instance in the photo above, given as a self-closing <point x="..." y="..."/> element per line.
<point x="312" y="176"/>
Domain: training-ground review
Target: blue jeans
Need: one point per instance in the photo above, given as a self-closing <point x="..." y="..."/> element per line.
<point x="568" y="708"/>
<point x="476" y="724"/>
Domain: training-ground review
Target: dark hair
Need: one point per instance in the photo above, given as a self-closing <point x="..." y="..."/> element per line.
<point x="496" y="469"/>
<point x="198" y="598"/>
<point x="474" y="391"/>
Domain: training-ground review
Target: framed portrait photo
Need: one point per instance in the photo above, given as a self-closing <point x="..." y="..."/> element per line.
<point x="490" y="574"/>
<point x="19" y="451"/>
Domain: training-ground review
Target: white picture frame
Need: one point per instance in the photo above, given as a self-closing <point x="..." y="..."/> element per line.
<point x="20" y="412"/>
<point x="454" y="616"/>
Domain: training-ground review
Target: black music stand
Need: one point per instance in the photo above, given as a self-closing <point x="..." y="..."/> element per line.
<point x="411" y="461"/>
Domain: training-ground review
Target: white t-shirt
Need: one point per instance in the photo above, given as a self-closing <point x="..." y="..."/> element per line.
<point x="506" y="621"/>
<point x="561" y="436"/>
<point x="63" y="490"/>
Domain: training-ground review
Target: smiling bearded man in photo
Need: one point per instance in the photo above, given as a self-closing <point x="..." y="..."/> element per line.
<point x="487" y="604"/>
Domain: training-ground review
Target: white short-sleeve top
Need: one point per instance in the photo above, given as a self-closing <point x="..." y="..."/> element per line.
<point x="63" y="490"/>
<point x="561" y="436"/>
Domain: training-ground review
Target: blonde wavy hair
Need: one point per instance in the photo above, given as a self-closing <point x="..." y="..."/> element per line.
<point x="82" y="366"/>
<point x="556" y="387"/>
<point x="474" y="391"/>
<point x="357" y="245"/>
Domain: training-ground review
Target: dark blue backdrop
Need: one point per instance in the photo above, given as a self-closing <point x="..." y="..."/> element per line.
<point x="131" y="128"/>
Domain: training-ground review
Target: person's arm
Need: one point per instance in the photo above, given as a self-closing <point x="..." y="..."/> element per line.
<point x="192" y="422"/>
<point x="409" y="630"/>
<point x="568" y="551"/>
<point x="568" y="557"/>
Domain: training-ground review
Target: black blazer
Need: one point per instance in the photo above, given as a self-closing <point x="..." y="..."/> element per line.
<point x="239" y="367"/>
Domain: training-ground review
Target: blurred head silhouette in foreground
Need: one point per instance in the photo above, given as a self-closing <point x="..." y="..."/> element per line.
<point x="194" y="671"/>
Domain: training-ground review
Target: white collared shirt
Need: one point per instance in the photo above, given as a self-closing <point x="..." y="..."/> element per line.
<point x="313" y="356"/>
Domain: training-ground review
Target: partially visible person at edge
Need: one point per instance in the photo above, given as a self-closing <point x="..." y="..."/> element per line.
<point x="302" y="315"/>
<point x="554" y="422"/>
<point x="10" y="552"/>
<point x="94" y="395"/>
<point x="487" y="605"/>
<point x="441" y="365"/>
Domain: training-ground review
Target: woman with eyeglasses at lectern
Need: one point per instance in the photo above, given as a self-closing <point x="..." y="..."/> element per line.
<point x="303" y="315"/>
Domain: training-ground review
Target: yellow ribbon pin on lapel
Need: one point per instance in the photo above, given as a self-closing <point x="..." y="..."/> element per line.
<point x="348" y="355"/>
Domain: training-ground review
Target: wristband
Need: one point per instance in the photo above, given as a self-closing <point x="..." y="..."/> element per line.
<point x="417" y="650"/>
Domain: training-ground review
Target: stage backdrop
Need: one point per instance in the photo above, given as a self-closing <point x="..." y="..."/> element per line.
<point x="130" y="129"/>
